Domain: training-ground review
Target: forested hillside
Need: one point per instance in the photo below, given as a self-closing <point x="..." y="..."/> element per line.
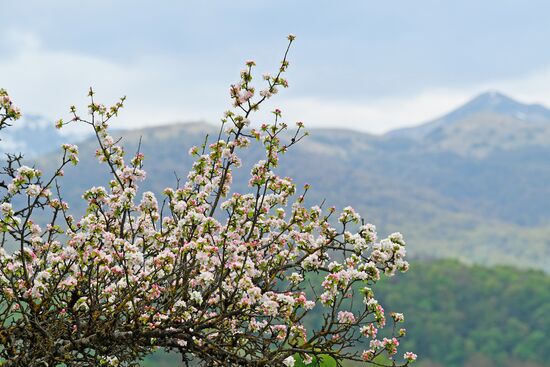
<point x="465" y="316"/>
<point x="459" y="315"/>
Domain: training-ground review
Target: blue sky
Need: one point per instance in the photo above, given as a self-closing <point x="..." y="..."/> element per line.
<point x="367" y="65"/>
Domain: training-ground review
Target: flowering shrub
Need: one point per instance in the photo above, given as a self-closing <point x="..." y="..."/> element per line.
<point x="225" y="278"/>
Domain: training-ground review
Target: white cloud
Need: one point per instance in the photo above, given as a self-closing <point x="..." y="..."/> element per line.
<point x="531" y="88"/>
<point x="47" y="82"/>
<point x="163" y="90"/>
<point x="384" y="114"/>
<point x="375" y="116"/>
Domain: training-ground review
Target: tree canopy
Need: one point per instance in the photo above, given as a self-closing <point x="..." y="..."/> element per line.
<point x="223" y="278"/>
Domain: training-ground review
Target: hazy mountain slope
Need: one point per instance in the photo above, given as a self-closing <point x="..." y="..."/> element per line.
<point x="34" y="135"/>
<point x="491" y="154"/>
<point x="490" y="208"/>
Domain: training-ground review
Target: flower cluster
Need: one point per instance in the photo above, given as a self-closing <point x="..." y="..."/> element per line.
<point x="227" y="278"/>
<point x="8" y="111"/>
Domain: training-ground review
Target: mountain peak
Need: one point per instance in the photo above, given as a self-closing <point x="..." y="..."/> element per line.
<point x="492" y="98"/>
<point x="492" y="103"/>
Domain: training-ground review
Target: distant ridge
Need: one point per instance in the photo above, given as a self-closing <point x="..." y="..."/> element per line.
<point x="35" y="135"/>
<point x="473" y="185"/>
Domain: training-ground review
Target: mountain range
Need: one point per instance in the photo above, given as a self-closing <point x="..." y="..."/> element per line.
<point x="472" y="184"/>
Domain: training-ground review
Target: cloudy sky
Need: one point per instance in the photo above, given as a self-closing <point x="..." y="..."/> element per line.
<point x="367" y="65"/>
